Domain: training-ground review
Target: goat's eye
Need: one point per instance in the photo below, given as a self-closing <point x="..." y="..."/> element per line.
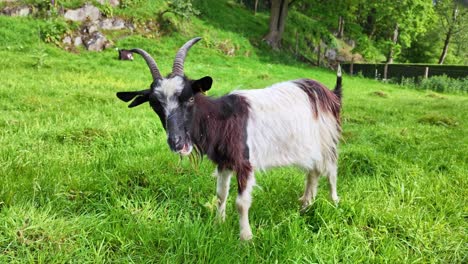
<point x="191" y="99"/>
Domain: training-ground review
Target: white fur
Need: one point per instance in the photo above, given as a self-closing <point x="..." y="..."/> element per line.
<point x="282" y="129"/>
<point x="243" y="202"/>
<point x="170" y="89"/>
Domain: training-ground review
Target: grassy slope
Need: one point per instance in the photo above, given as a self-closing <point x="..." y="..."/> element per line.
<point x="84" y="178"/>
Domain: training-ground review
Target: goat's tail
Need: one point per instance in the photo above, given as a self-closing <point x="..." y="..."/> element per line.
<point x="337" y="90"/>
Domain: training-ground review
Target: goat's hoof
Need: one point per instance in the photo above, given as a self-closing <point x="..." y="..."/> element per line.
<point x="221" y="216"/>
<point x="246" y="235"/>
<point x="304" y="208"/>
<point x="335" y="200"/>
<point x="306" y="203"/>
<point x="220" y="219"/>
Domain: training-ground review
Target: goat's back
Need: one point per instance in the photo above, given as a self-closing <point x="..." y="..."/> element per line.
<point x="285" y="128"/>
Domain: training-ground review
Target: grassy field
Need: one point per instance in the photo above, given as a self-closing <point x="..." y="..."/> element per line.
<point x="85" y="179"/>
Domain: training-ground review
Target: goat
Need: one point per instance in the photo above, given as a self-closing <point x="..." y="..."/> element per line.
<point x="289" y="123"/>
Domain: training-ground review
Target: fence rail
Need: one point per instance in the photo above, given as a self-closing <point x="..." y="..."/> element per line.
<point x="400" y="71"/>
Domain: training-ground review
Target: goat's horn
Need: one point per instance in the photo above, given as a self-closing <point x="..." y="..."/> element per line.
<point x="151" y="63"/>
<point x="178" y="67"/>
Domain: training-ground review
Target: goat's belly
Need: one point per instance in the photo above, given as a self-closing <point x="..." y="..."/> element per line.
<point x="281" y="129"/>
<point x="288" y="142"/>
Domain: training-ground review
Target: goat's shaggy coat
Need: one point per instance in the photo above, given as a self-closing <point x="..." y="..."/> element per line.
<point x="289" y="123"/>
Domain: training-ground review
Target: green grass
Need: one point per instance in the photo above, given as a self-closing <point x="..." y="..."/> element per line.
<point x="85" y="179"/>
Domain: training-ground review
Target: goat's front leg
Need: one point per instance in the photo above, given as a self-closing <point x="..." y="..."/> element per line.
<point x="222" y="191"/>
<point x="245" y="181"/>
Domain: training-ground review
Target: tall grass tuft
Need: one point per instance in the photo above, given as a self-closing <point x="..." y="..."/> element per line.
<point x="440" y="84"/>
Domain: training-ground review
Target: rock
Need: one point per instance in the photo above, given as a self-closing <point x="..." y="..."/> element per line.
<point x="106" y="24"/>
<point x="331" y="54"/>
<point x="67" y="40"/>
<point x="95" y="42"/>
<point x="113" y="3"/>
<point x="16" y="11"/>
<point x="108" y="45"/>
<point x="112" y="24"/>
<point x="81" y="14"/>
<point x="351" y="43"/>
<point x="23" y="11"/>
<point x="93" y="28"/>
<point x="119" y="23"/>
<point x="77" y="41"/>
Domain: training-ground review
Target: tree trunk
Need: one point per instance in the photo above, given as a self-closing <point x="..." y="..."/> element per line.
<point x="370" y="25"/>
<point x="340" y="27"/>
<point x="256" y="5"/>
<point x="394" y="41"/>
<point x="278" y="14"/>
<point x="449" y="35"/>
<point x="446" y="45"/>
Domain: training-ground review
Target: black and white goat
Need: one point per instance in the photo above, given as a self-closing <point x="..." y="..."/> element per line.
<point x="289" y="123"/>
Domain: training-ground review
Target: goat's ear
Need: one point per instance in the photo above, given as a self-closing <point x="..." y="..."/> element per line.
<point x="141" y="97"/>
<point x="202" y="85"/>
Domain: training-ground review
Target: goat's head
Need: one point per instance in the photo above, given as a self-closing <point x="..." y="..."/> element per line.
<point x="172" y="98"/>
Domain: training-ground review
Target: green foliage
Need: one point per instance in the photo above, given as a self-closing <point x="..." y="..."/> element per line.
<point x="40" y="57"/>
<point x="53" y="30"/>
<point x="438" y="83"/>
<point x="368" y="49"/>
<point x="175" y="14"/>
<point x="444" y="84"/>
<point x="107" y="10"/>
<point x="182" y="8"/>
<point x="131" y="3"/>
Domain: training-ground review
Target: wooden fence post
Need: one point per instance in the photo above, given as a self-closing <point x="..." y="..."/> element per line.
<point x="385" y="69"/>
<point x="426" y="72"/>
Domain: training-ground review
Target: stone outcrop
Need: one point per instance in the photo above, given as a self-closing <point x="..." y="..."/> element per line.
<point x="88" y="12"/>
<point x="95" y="41"/>
<point x="92" y="23"/>
<point x="112" y="24"/>
<point x="16" y="11"/>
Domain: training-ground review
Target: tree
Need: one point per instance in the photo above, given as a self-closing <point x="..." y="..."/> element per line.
<point x="453" y="20"/>
<point x="278" y="14"/>
<point x="395" y="24"/>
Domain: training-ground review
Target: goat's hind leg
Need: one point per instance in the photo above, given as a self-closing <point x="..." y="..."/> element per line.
<point x="222" y="191"/>
<point x="311" y="186"/>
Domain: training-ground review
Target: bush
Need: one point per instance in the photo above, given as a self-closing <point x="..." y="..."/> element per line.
<point x="445" y="84"/>
<point x="130" y="3"/>
<point x="440" y="83"/>
<point x="53" y="30"/>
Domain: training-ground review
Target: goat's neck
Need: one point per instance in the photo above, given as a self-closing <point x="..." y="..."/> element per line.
<point x="219" y="122"/>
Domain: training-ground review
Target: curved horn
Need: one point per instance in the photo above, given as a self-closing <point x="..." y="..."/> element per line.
<point x="178" y="67"/>
<point x="151" y="63"/>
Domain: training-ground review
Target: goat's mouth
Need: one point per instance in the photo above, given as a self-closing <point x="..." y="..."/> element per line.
<point x="186" y="149"/>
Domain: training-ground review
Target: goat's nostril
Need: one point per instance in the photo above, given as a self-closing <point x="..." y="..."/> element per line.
<point x="176" y="141"/>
